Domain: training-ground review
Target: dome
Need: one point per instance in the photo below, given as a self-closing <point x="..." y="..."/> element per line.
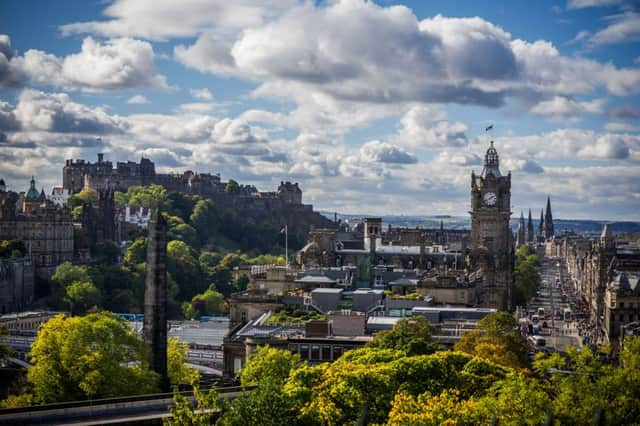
<point x="32" y="194"/>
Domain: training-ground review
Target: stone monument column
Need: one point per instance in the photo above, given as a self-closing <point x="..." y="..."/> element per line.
<point x="155" y="298"/>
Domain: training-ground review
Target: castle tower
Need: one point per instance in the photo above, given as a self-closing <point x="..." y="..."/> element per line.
<point x="520" y="236"/>
<point x="548" y="221"/>
<point x="530" y="229"/>
<point x="491" y="237"/>
<point x="155" y="298"/>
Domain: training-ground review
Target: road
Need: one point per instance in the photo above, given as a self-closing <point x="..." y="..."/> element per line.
<point x="554" y="297"/>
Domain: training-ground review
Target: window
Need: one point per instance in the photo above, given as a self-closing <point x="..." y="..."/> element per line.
<point x="337" y="352"/>
<point x="243" y="316"/>
<point x="315" y="353"/>
<point x="326" y="353"/>
<point x="304" y="351"/>
<point x="293" y="347"/>
<point x="621" y="317"/>
<point x="621" y="305"/>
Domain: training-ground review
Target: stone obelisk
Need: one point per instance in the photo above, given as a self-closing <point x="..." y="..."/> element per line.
<point x="155" y="298"/>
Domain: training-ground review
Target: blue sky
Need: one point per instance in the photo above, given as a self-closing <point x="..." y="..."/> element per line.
<point x="376" y="107"/>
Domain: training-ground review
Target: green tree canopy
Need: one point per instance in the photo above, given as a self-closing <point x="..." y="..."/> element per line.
<point x="95" y="356"/>
<point x="498" y="339"/>
<point x="67" y="272"/>
<point x="82" y="295"/>
<point x="137" y="252"/>
<point x="87" y="195"/>
<point x="268" y="364"/>
<point x="412" y="336"/>
<point x="150" y="196"/>
<point x="12" y="248"/>
<point x="232" y="186"/>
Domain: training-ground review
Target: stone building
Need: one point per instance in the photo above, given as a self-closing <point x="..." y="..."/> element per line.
<point x="16" y="284"/>
<point x="621" y="303"/>
<point x="46" y="229"/>
<point x="492" y="251"/>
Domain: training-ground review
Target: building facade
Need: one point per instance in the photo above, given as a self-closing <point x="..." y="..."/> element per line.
<point x="492" y="250"/>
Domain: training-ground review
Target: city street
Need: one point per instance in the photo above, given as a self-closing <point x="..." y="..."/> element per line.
<point x="554" y="300"/>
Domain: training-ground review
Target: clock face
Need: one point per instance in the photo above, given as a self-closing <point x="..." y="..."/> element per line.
<point x="490" y="198"/>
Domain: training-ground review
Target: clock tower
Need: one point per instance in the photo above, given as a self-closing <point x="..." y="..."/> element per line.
<point x="492" y="247"/>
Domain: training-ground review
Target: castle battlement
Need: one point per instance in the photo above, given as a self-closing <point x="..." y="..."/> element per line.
<point x="79" y="174"/>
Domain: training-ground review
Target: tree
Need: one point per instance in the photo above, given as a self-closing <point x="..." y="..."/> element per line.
<point x="66" y="273"/>
<point x="106" y="251"/>
<point x="179" y="372"/>
<point x="95" y="356"/>
<point x="268" y="364"/>
<point x="82" y="294"/>
<point x="527" y="275"/>
<point x="86" y="196"/>
<point x="184" y="268"/>
<point x="200" y="413"/>
<point x="208" y="303"/>
<point x="12" y="248"/>
<point x="232" y="186"/>
<point x="498" y="339"/>
<point x="412" y="336"/>
<point x="150" y="196"/>
<point x="137" y="252"/>
<point x="204" y="219"/>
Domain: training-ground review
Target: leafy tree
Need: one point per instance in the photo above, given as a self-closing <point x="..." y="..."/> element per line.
<point x="151" y="196"/>
<point x="184" y="232"/>
<point x="232" y="186"/>
<point x="527" y="275"/>
<point x="12" y="248"/>
<point x="5" y="350"/>
<point x="268" y="364"/>
<point x="137" y="252"/>
<point x="178" y="371"/>
<point x="241" y="282"/>
<point x="209" y="260"/>
<point x="66" y="273"/>
<point x="204" y="219"/>
<point x="83" y="294"/>
<point x="208" y="303"/>
<point x="106" y="251"/>
<point x="412" y="336"/>
<point x="447" y="408"/>
<point x="184" y="268"/>
<point x="95" y="356"/>
<point x="181" y="204"/>
<point x="17" y="401"/>
<point x="200" y="413"/>
<point x="87" y="195"/>
<point x="496" y="338"/>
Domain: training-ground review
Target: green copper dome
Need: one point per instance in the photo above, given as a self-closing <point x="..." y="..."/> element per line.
<point x="33" y="194"/>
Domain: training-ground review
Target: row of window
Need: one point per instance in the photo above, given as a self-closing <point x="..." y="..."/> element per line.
<point x="313" y="352"/>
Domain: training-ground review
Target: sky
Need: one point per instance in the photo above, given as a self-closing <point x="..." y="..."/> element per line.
<point x="373" y="107"/>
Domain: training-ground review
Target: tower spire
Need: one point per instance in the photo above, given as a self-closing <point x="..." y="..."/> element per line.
<point x="548" y="220"/>
<point x="530" y="228"/>
<point x="491" y="163"/>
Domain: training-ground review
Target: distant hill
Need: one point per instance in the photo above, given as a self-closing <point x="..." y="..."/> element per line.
<point x="583" y="227"/>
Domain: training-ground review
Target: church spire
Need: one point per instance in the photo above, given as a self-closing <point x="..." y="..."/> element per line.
<point x="530" y="229"/>
<point x="541" y="224"/>
<point x="548" y="220"/>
